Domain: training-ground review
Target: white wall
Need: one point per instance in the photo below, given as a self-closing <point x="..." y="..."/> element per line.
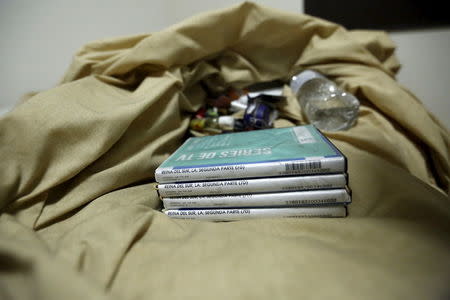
<point x="425" y="58"/>
<point x="40" y="37"/>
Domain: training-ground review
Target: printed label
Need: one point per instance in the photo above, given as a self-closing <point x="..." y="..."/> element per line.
<point x="303" y="135"/>
<point x="302" y="166"/>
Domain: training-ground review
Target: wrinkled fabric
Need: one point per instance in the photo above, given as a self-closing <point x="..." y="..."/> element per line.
<point x="80" y="219"/>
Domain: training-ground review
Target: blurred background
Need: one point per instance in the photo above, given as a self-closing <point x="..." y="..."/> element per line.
<point x="39" y="38"/>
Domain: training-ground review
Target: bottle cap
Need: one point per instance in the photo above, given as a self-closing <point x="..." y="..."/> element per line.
<point x="226" y="122"/>
<point x="297" y="81"/>
<point x="258" y="113"/>
<point x="212" y="112"/>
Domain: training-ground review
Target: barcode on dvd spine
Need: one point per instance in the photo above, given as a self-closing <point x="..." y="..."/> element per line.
<point x="304" y="165"/>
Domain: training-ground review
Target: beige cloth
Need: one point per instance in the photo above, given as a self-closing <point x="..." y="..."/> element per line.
<point x="80" y="219"/>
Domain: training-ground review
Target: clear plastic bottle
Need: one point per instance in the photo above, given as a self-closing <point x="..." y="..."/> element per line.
<point x="325" y="105"/>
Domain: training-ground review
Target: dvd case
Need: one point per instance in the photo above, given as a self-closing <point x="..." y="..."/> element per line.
<point x="301" y="150"/>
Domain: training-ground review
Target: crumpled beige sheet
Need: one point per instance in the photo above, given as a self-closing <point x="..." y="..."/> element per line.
<point x="80" y="219"/>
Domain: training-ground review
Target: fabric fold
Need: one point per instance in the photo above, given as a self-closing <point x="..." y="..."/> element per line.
<point x="77" y="166"/>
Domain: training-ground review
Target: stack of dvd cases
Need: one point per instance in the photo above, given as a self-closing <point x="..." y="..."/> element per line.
<point x="280" y="172"/>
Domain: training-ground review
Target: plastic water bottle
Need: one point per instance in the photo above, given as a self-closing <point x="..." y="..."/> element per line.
<point x="325" y="105"/>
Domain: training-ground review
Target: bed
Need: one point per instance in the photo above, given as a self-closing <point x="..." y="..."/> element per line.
<point x="80" y="219"/>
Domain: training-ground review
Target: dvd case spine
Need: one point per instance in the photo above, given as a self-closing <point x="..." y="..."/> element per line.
<point x="286" y="199"/>
<point x="246" y="186"/>
<point x="310" y="166"/>
<point x="249" y="213"/>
